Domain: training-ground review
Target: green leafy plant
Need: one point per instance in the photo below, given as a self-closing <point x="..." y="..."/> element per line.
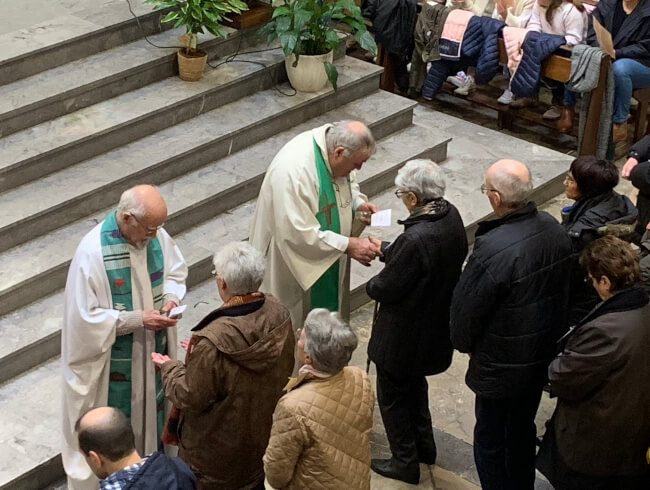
<point x="305" y="27"/>
<point x="197" y="15"/>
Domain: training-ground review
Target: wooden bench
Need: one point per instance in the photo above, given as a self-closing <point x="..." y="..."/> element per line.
<point x="641" y="125"/>
<point x="556" y="67"/>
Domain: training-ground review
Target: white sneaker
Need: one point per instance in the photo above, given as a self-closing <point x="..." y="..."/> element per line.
<point x="467" y="87"/>
<point x="506" y="97"/>
<point x="458" y="79"/>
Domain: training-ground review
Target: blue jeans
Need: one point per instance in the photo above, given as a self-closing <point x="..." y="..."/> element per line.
<point x="628" y="75"/>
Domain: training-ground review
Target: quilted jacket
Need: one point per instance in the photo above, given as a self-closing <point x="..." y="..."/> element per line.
<point x="535" y="48"/>
<point x="320" y="434"/>
<point x="479" y="48"/>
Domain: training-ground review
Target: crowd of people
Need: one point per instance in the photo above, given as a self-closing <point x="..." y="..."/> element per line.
<point x="414" y="43"/>
<point x="537" y="301"/>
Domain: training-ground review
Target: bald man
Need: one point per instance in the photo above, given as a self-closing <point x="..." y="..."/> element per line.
<point x="304" y="213"/>
<point x="107" y="442"/>
<point x="507" y="312"/>
<point x="126" y="274"/>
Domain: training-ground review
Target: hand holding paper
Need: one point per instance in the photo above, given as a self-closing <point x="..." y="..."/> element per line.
<point x="381" y="218"/>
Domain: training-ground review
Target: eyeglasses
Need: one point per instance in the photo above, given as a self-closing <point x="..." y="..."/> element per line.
<point x="569" y="178"/>
<point x="399" y="193"/>
<point x="485" y="189"/>
<point x="147" y="228"/>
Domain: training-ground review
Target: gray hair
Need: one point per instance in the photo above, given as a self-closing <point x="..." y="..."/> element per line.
<point x="130" y="203"/>
<point x="340" y="134"/>
<point x="514" y="192"/>
<point x="330" y="341"/>
<point x="422" y="177"/>
<point x="241" y="265"/>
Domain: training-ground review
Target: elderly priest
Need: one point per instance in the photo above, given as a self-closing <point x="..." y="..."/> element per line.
<point x="126" y="274"/>
<point x="304" y="215"/>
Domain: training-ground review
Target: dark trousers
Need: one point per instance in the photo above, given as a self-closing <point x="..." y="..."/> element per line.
<point x="504" y="442"/>
<point x="404" y="405"/>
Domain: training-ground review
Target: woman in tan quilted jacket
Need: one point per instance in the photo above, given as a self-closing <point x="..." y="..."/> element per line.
<point x="319" y="438"/>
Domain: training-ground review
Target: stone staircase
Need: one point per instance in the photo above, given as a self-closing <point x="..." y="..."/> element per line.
<point x="98" y="120"/>
<point x="105" y="111"/>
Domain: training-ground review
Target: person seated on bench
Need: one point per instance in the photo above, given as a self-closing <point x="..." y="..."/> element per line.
<point x="515" y="13"/>
<point x="565" y="19"/>
<point x="628" y="21"/>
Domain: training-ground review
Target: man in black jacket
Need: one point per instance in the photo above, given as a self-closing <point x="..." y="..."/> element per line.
<point x="107" y="442"/>
<point x="637" y="169"/>
<point x="507" y="312"/>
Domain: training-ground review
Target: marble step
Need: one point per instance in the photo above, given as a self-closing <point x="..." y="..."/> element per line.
<point x="75" y="34"/>
<point x="81" y="83"/>
<point x="97" y="182"/>
<point x="31" y="333"/>
<point x="56" y="144"/>
<point x="40" y="459"/>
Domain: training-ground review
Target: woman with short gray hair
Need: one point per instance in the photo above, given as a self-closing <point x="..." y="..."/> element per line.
<point x="321" y="427"/>
<point x="410" y="337"/>
<point x="238" y="360"/>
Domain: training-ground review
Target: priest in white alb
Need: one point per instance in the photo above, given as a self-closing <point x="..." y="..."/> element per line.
<point x="304" y="216"/>
<point x="125" y="276"/>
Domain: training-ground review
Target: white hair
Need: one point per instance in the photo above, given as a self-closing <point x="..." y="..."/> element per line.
<point x="514" y="192"/>
<point x="422" y="177"/>
<point x="330" y="341"/>
<point x="130" y="203"/>
<point x="340" y="134"/>
<point x="241" y="265"/>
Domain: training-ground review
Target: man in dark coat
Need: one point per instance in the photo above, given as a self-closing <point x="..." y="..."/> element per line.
<point x="107" y="442"/>
<point x="507" y="311"/>
<point x="410" y="339"/>
<point x="637" y="169"/>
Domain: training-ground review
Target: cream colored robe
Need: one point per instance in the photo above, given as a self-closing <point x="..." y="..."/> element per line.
<point x="286" y="230"/>
<point x="88" y="333"/>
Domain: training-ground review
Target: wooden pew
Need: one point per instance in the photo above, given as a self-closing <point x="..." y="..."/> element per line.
<point x="556" y="67"/>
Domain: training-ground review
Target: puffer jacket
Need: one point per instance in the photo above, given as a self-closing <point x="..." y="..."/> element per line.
<point x="240" y="359"/>
<point x="585" y="221"/>
<point x="535" y="48"/>
<point x="509" y="307"/>
<point x="320" y="435"/>
<point x="479" y="48"/>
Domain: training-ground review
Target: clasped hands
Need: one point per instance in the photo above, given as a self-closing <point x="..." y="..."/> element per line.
<point x="364" y="250"/>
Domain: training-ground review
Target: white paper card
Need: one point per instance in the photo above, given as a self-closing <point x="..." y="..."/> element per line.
<point x="381" y="218"/>
<point x="177" y="311"/>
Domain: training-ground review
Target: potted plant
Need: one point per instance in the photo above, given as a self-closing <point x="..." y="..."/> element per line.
<point x="196" y="16"/>
<point x="308" y="38"/>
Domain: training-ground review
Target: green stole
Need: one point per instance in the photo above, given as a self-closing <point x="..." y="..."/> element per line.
<point x="117" y="262"/>
<point x="325" y="291"/>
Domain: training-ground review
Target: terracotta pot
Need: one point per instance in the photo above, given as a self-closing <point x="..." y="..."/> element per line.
<point x="309" y="75"/>
<point x="190" y="68"/>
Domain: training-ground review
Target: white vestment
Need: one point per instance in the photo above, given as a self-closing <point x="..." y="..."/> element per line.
<point x="285" y="228"/>
<point x="88" y="333"/>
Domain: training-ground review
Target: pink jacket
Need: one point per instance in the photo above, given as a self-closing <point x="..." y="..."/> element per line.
<point x="513" y="38"/>
<point x="567" y="21"/>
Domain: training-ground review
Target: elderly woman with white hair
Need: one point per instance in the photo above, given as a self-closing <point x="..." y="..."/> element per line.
<point x="410" y="337"/>
<point x="321" y="426"/>
<point x="238" y="360"/>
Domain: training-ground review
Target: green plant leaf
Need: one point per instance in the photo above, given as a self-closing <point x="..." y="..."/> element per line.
<point x="301" y="17"/>
<point x="279" y="12"/>
<point x="332" y="73"/>
<point x="288" y="41"/>
<point x="332" y="38"/>
<point x="282" y="24"/>
<point x="366" y="41"/>
<point x="170" y="16"/>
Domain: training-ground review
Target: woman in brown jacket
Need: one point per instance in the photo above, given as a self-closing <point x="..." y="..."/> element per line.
<point x="240" y="357"/>
<point x="319" y="438"/>
<point x="600" y="431"/>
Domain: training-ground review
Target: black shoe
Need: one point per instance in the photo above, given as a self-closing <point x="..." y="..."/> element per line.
<point x="385" y="468"/>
